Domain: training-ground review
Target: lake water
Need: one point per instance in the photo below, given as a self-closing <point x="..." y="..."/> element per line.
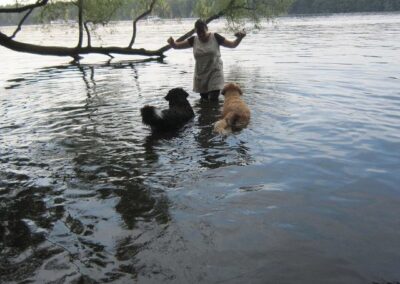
<point x="308" y="193"/>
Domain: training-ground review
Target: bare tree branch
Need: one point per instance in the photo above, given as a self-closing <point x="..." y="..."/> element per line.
<point x="222" y="13"/>
<point x="137" y="20"/>
<point x="21" y="23"/>
<point x="74" y="51"/>
<point x="89" y="39"/>
<point x="24" y="8"/>
<point x="80" y="22"/>
<point x="191" y="32"/>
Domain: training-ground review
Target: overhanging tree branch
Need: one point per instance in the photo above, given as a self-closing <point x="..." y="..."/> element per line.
<point x="100" y="12"/>
<point x="74" y="51"/>
<point x="89" y="38"/>
<point x="80" y="22"/>
<point x="24" y="8"/>
<point x="21" y="22"/>
<point x="191" y="32"/>
<point x="216" y="16"/>
<point x="137" y="20"/>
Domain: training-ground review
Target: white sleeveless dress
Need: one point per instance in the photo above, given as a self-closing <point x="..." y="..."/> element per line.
<point x="208" y="73"/>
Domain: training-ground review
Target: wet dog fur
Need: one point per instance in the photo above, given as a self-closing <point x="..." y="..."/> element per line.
<point x="179" y="112"/>
<point x="235" y="112"/>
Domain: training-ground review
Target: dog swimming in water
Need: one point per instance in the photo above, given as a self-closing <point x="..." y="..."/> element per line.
<point x="173" y="118"/>
<point x="235" y="112"/>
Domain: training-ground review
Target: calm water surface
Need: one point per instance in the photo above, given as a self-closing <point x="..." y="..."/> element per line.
<point x="308" y="193"/>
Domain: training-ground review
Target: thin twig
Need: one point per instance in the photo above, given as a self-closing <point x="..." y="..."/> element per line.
<point x="137" y="20"/>
<point x="89" y="39"/>
<point x="24" y="8"/>
<point x="80" y="22"/>
<point x="21" y="22"/>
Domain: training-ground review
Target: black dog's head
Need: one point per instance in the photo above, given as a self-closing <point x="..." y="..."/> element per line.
<point x="176" y="95"/>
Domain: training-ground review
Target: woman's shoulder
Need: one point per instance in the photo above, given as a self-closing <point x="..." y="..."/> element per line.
<point x="191" y="40"/>
<point x="220" y="39"/>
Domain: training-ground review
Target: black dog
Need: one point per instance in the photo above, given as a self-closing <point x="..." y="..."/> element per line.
<point x="175" y="117"/>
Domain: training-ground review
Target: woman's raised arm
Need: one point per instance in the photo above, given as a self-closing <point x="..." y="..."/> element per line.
<point x="178" y="44"/>
<point x="234" y="43"/>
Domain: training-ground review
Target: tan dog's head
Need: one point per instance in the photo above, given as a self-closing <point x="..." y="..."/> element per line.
<point x="229" y="87"/>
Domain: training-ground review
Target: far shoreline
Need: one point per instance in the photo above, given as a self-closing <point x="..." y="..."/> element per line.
<point x="306" y="15"/>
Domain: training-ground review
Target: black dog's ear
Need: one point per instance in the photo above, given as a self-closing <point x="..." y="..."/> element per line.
<point x="176" y="92"/>
<point x="170" y="94"/>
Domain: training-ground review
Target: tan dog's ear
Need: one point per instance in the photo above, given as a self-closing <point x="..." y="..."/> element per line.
<point x="227" y="87"/>
<point x="239" y="89"/>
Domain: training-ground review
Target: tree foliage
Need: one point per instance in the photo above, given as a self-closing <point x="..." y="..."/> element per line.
<point x="129" y="9"/>
<point x="89" y="13"/>
<point x="237" y="12"/>
<point x="100" y="11"/>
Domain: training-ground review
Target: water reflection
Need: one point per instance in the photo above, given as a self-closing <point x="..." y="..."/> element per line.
<point x="94" y="160"/>
<point x="43" y="74"/>
<point x="154" y="140"/>
<point x="57" y="70"/>
<point x="217" y="151"/>
<point x="25" y="222"/>
<point x="88" y="194"/>
<point x="138" y="203"/>
<point x="109" y="175"/>
<point x="208" y="113"/>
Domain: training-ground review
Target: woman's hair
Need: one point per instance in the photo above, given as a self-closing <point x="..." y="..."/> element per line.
<point x="200" y="25"/>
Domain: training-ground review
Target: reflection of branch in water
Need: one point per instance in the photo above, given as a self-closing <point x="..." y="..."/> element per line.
<point x="153" y="140"/>
<point x="50" y="72"/>
<point x="90" y="89"/>
<point x="110" y="171"/>
<point x="136" y="79"/>
<point x="138" y="203"/>
<point x="208" y="113"/>
<point x="105" y="170"/>
<point x="244" y="157"/>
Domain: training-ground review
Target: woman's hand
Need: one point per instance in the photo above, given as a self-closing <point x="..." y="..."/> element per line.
<point x="171" y="42"/>
<point x="240" y="35"/>
<point x="178" y="44"/>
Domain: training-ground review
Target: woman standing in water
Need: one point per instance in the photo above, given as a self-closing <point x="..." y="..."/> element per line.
<point x="208" y="77"/>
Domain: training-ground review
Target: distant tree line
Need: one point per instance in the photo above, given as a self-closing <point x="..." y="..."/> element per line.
<point x="343" y="6"/>
<point x="186" y="8"/>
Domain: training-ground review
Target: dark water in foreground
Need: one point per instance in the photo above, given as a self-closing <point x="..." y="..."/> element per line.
<point x="308" y="193"/>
